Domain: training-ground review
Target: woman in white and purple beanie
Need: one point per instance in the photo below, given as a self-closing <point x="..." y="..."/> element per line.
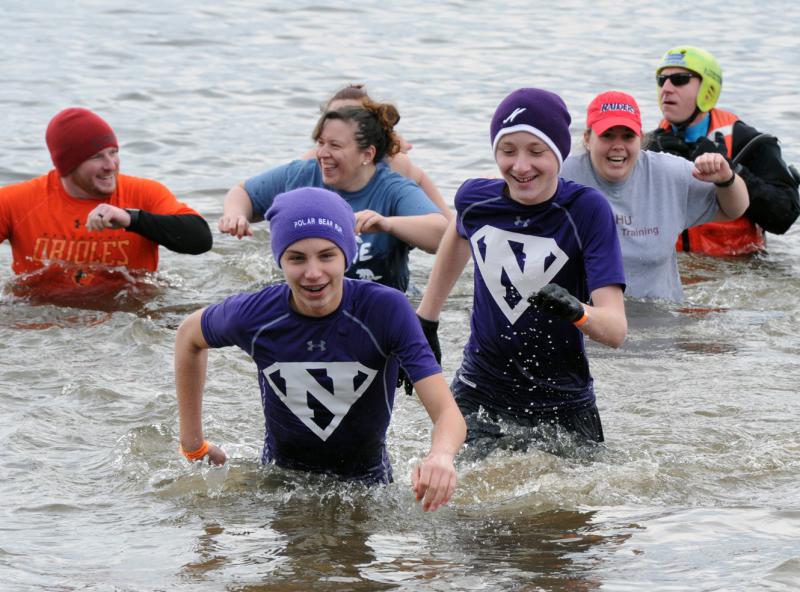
<point x="548" y="271"/>
<point x="538" y="112"/>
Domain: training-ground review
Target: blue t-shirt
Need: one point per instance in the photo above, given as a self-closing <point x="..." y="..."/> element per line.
<point x="381" y="257"/>
<point x="523" y="360"/>
<point x="327" y="384"/>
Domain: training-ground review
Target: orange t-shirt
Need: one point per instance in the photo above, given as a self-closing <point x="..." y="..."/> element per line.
<point x="45" y="224"/>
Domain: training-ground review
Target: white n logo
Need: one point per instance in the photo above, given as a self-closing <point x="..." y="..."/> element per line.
<point x="517" y="111"/>
<point x="319" y="393"/>
<point x="515" y="266"/>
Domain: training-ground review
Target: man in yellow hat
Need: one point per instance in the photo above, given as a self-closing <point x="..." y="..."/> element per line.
<point x="689" y="84"/>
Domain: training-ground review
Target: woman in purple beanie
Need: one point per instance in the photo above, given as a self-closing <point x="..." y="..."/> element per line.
<point x="547" y="271"/>
<point x="327" y="358"/>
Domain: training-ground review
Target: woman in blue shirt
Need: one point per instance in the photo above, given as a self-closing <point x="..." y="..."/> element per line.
<point x="393" y="214"/>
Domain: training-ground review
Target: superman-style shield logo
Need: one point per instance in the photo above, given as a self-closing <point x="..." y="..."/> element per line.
<point x="319" y="393"/>
<point x="515" y="266"/>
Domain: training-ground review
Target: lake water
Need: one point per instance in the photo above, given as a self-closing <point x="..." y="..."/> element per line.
<point x="697" y="488"/>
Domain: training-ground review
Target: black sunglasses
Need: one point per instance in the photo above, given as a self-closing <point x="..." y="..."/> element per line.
<point x="677" y="78"/>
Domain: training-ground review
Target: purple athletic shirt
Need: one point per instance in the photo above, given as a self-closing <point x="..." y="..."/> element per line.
<point x="328" y="383"/>
<point x="522" y="360"/>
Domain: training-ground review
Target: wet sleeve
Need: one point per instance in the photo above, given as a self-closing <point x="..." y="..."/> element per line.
<point x="222" y="324"/>
<point x="182" y="233"/>
<point x="774" y="200"/>
<point x="263" y="188"/>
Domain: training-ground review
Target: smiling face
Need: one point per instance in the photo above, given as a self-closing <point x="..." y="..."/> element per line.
<point x="314" y="270"/>
<point x="678" y="102"/>
<point x="614" y="152"/>
<point x="95" y="177"/>
<point x="529" y="167"/>
<point x="343" y="164"/>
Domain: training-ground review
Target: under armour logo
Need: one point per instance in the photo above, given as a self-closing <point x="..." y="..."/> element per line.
<point x="520" y="222"/>
<point x="515" y="266"/>
<point x="312" y="346"/>
<point x="517" y="111"/>
<point x="320" y="394"/>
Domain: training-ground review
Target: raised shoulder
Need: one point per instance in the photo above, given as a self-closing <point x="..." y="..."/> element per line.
<point x="401" y="163"/>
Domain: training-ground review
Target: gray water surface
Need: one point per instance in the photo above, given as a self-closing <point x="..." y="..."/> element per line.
<point x="696" y="488"/>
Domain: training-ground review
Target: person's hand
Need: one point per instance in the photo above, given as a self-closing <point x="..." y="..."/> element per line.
<point x="712" y="167"/>
<point x="434" y="480"/>
<point x="704" y="145"/>
<point x="368" y="221"/>
<point x="237" y="226"/>
<point x="107" y="216"/>
<point x="661" y="141"/>
<point x="216" y="455"/>
<point x="557" y="301"/>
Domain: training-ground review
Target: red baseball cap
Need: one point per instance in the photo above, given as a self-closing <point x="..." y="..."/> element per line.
<point x="613" y="108"/>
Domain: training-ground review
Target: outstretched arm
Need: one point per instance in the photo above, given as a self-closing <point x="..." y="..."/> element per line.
<point x="434" y="479"/>
<point x="237" y="213"/>
<point x="182" y="233"/>
<point x="423" y="232"/>
<point x="451" y="258"/>
<point x="191" y="359"/>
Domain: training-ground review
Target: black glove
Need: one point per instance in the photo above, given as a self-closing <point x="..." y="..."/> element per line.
<point x="404" y="381"/>
<point x="557" y="301"/>
<point x="704" y="145"/>
<point x="663" y="141"/>
<point x="431" y="332"/>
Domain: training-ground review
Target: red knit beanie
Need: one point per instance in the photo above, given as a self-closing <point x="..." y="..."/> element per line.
<point x="74" y="135"/>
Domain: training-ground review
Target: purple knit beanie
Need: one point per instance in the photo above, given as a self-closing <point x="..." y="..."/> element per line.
<point x="311" y="212"/>
<point x="538" y="112"/>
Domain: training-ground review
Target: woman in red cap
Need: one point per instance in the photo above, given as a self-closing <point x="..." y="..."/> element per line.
<point x="654" y="196"/>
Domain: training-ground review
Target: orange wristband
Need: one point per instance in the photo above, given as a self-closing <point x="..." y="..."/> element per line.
<point x="195" y="454"/>
<point x="583" y="319"/>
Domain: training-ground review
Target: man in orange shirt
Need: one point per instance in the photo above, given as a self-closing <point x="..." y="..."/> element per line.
<point x="85" y="216"/>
